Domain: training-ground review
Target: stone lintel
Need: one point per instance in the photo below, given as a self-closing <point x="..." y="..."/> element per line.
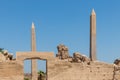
<point x="34" y="55"/>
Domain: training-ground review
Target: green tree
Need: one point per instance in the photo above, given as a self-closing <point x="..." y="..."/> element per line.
<point x="1" y="50"/>
<point x="41" y="75"/>
<point x="26" y="79"/>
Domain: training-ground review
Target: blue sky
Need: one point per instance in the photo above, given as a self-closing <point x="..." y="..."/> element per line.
<point x="60" y="21"/>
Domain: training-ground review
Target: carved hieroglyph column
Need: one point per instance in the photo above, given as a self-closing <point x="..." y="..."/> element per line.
<point x="93" y="36"/>
<point x="33" y="48"/>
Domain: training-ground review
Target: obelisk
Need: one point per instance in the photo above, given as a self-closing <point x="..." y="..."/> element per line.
<point x="33" y="48"/>
<point x="93" y="36"/>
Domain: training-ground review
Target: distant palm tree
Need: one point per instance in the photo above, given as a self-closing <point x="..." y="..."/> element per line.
<point x="41" y="75"/>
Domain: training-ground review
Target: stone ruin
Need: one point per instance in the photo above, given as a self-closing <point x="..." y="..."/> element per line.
<point x="5" y="56"/>
<point x="63" y="66"/>
<point x="77" y="57"/>
<point x="117" y="62"/>
<point x="62" y="52"/>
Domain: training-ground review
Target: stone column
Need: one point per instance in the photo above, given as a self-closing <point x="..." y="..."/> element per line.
<point x="33" y="48"/>
<point x="93" y="36"/>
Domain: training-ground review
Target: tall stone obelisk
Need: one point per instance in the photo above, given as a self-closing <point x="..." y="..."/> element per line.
<point x="93" y="36"/>
<point x="33" y="48"/>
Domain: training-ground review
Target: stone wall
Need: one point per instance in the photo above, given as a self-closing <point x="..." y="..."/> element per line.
<point x="11" y="70"/>
<point x="63" y="70"/>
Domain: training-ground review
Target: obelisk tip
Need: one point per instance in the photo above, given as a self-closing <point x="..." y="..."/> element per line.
<point x="93" y="12"/>
<point x="33" y="25"/>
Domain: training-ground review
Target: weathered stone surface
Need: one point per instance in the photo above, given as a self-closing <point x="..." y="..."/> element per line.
<point x="11" y="70"/>
<point x="77" y="57"/>
<point x="62" y="52"/>
<point x="117" y="62"/>
<point x="62" y="70"/>
<point x="21" y="56"/>
<point x="5" y="56"/>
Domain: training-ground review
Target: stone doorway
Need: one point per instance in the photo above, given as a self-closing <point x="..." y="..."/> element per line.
<point x="47" y="56"/>
<point x="41" y="69"/>
<point x="27" y="69"/>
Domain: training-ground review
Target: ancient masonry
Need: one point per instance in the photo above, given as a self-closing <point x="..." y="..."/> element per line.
<point x="33" y="61"/>
<point x="93" y="36"/>
<point x="62" y="66"/>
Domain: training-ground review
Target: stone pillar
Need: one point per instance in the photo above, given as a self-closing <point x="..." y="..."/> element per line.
<point x="93" y="36"/>
<point x="33" y="48"/>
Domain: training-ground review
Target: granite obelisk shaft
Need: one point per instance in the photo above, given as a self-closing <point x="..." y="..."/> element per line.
<point x="93" y="36"/>
<point x="33" y="48"/>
